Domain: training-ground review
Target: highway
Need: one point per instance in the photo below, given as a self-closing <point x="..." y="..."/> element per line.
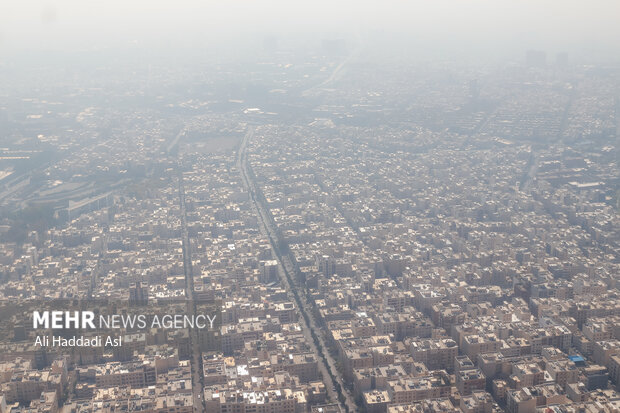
<point x="312" y="333"/>
<point x="335" y="75"/>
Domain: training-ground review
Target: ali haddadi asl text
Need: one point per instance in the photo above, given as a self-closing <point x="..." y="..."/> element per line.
<point x="77" y="341"/>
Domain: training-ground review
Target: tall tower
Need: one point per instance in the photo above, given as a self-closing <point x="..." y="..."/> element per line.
<point x="536" y="58"/>
<point x="139" y="293"/>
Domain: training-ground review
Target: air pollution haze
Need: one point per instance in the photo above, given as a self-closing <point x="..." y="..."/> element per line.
<point x="445" y="27"/>
<point x="309" y="206"/>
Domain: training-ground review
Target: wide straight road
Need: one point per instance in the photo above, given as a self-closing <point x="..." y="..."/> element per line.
<point x="195" y="353"/>
<point x="327" y="365"/>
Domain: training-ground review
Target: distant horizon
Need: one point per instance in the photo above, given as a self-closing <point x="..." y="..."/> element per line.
<point x="445" y="28"/>
<point x="309" y="206"/>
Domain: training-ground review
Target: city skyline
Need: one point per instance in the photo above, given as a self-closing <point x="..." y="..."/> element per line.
<point x="371" y="215"/>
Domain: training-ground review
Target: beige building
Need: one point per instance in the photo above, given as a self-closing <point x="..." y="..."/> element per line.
<point x="435" y="353"/>
<point x="269" y="401"/>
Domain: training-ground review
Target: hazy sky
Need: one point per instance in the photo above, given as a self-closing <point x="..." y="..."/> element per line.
<point x="493" y="26"/>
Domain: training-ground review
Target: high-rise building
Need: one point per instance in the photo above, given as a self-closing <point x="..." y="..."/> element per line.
<point x="561" y="59"/>
<point x="536" y="58"/>
<point x="268" y="271"/>
<point x="138" y="293"/>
